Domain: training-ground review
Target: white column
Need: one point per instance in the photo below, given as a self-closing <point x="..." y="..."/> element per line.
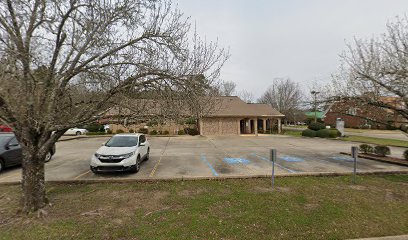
<point x="256" y="126"/>
<point x="264" y="125"/>
<point x="200" y="125"/>
<point x="279" y="126"/>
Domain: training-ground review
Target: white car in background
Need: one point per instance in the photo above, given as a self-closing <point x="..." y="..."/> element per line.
<point x="123" y="152"/>
<point x="76" y="131"/>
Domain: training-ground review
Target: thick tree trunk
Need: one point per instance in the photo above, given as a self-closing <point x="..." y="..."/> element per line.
<point x="33" y="181"/>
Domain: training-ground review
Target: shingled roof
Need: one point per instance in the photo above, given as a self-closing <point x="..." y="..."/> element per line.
<point x="233" y="106"/>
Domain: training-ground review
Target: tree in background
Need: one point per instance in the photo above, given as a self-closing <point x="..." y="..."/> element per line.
<point x="375" y="72"/>
<point x="284" y="95"/>
<point x="246" y="96"/>
<point x="228" y="88"/>
<point x="62" y="63"/>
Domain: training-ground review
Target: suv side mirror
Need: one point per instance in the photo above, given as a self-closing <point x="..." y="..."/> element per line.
<point x="142" y="144"/>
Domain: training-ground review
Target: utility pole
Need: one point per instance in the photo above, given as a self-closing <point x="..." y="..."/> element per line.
<point x="314" y="93"/>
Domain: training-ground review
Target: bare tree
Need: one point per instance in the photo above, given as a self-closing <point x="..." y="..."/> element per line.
<point x="228" y="88"/>
<point x="284" y="95"/>
<point x="375" y="72"/>
<point x="63" y="62"/>
<point x="246" y="96"/>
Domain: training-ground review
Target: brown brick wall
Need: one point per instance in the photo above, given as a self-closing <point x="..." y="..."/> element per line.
<point x="220" y="126"/>
<point x="364" y="114"/>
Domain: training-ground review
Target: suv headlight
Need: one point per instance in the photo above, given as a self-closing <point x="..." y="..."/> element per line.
<point x="128" y="155"/>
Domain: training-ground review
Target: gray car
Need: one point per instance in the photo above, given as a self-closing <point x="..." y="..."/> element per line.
<point x="11" y="153"/>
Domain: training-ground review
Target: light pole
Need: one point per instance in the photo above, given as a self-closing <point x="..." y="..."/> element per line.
<point x="314" y="93"/>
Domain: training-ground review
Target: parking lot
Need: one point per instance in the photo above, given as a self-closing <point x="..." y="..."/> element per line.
<point x="187" y="156"/>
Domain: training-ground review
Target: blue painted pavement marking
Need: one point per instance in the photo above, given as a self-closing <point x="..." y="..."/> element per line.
<point x="236" y="161"/>
<point x="291" y="159"/>
<point x="342" y="158"/>
<point x="204" y="159"/>
<point x="268" y="160"/>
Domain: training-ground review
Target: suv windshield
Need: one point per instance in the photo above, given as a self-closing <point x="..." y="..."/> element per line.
<point x="122" y="141"/>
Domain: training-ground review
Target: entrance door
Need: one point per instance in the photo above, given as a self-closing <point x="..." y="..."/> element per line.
<point x="242" y="126"/>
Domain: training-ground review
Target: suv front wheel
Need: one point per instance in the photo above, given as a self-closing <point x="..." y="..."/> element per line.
<point x="136" y="167"/>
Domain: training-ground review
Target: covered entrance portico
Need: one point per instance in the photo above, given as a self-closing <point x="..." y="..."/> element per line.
<point x="260" y="125"/>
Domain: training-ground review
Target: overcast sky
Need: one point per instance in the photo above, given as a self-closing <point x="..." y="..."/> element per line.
<point x="300" y="39"/>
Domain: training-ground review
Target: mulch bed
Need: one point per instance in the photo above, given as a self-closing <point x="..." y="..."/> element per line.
<point x="386" y="159"/>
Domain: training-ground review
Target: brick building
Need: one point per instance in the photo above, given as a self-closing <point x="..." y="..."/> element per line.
<point x="235" y="117"/>
<point x="231" y="116"/>
<point x="357" y="114"/>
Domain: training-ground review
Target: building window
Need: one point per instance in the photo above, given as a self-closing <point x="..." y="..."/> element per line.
<point x="352" y="111"/>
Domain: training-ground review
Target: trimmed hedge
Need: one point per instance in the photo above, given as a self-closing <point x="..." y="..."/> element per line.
<point x="406" y="155"/>
<point x="143" y="130"/>
<point x="191" y="131"/>
<point x="365" y="148"/>
<point x="97" y="133"/>
<point x="120" y="131"/>
<point x="323" y="133"/>
<point x="166" y="132"/>
<point x="181" y="132"/>
<point x="153" y="132"/>
<point x="316" y="126"/>
<point x="309" y="133"/>
<point x="382" y="151"/>
<point x="334" y="133"/>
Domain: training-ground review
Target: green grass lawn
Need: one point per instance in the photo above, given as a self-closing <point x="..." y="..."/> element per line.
<point x="293" y="133"/>
<point x="298" y="208"/>
<point x="362" y="139"/>
<point x="377" y="141"/>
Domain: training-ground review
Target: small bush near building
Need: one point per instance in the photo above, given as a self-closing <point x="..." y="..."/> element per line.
<point x="131" y="131"/>
<point x="108" y="131"/>
<point x="406" y="154"/>
<point x="323" y="133"/>
<point x="119" y="131"/>
<point x="365" y="148"/>
<point x="181" y="132"/>
<point x="143" y="130"/>
<point x="95" y="133"/>
<point x="153" y="132"/>
<point x="190" y="121"/>
<point x="316" y="126"/>
<point x="382" y="151"/>
<point x="166" y="132"/>
<point x="309" y="133"/>
<point x="95" y="127"/>
<point x="191" y="131"/>
<point x="152" y="123"/>
<point x="334" y="133"/>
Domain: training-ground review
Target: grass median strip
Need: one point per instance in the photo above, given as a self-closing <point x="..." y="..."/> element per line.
<point x="377" y="141"/>
<point x="298" y="208"/>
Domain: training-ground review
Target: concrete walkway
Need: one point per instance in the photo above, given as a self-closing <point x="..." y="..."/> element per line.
<point x="402" y="237"/>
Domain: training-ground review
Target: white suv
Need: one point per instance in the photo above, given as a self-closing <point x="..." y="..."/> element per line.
<point x="123" y="152"/>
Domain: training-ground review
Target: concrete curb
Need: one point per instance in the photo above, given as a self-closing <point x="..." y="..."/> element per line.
<point x="379" y="160"/>
<point x="400" y="237"/>
<point x="223" y="178"/>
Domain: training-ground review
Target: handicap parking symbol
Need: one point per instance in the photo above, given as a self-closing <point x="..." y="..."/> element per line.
<point x="236" y="161"/>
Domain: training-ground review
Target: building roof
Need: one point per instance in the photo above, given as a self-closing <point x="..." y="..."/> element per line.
<point x="233" y="106"/>
<point x="312" y="114"/>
